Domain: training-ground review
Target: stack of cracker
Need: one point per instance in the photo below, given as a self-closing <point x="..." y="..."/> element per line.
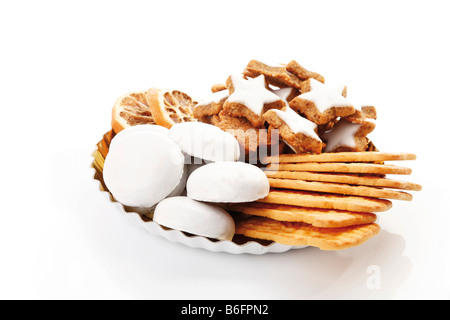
<point x="329" y="181"/>
<point x="328" y="200"/>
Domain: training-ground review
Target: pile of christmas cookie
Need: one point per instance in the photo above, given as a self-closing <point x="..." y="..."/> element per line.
<point x="324" y="181"/>
<point x="328" y="181"/>
<point x="309" y="115"/>
<point x="328" y="200"/>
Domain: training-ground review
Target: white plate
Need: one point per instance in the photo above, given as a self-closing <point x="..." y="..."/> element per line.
<point x="250" y="247"/>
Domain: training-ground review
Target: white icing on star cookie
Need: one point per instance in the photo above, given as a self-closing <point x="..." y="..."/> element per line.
<point x="342" y="135"/>
<point x="252" y="93"/>
<point x="325" y="96"/>
<point x="297" y="123"/>
<point x="283" y="93"/>
<point x="215" y="97"/>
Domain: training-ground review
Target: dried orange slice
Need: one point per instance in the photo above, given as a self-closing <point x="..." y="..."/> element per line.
<point x="131" y="109"/>
<point x="170" y="106"/>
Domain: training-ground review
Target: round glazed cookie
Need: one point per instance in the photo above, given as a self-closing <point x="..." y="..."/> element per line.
<point x="203" y="219"/>
<point x="137" y="129"/>
<point x="143" y="168"/>
<point x="205" y="141"/>
<point x="227" y="182"/>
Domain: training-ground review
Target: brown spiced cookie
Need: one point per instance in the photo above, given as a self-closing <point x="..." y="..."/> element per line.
<point x="322" y="103"/>
<point x="249" y="98"/>
<point x="298" y="132"/>
<point x="211" y="105"/>
<point x="249" y="137"/>
<point x="303" y="74"/>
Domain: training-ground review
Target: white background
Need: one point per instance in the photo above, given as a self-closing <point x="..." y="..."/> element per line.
<point x="64" y="63"/>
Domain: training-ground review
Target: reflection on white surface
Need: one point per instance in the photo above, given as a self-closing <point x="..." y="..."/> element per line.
<point x="373" y="270"/>
<point x="101" y="254"/>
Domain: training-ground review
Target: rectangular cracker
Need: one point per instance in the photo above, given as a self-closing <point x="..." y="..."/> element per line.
<point x="373" y="156"/>
<point x="330" y="187"/>
<point x="352" y="179"/>
<point x="323" y="218"/>
<point x="340" y="167"/>
<point x="326" y="201"/>
<point x="301" y="234"/>
<point x="303" y="74"/>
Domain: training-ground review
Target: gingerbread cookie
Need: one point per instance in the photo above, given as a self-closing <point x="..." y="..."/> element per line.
<point x="322" y="103"/>
<point x="303" y="74"/>
<point x="346" y="136"/>
<point x="362" y="112"/>
<point x="275" y="75"/>
<point x="249" y="98"/>
<point x="218" y="87"/>
<point x="211" y="105"/>
<point x="299" y="133"/>
<point x="206" y="119"/>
